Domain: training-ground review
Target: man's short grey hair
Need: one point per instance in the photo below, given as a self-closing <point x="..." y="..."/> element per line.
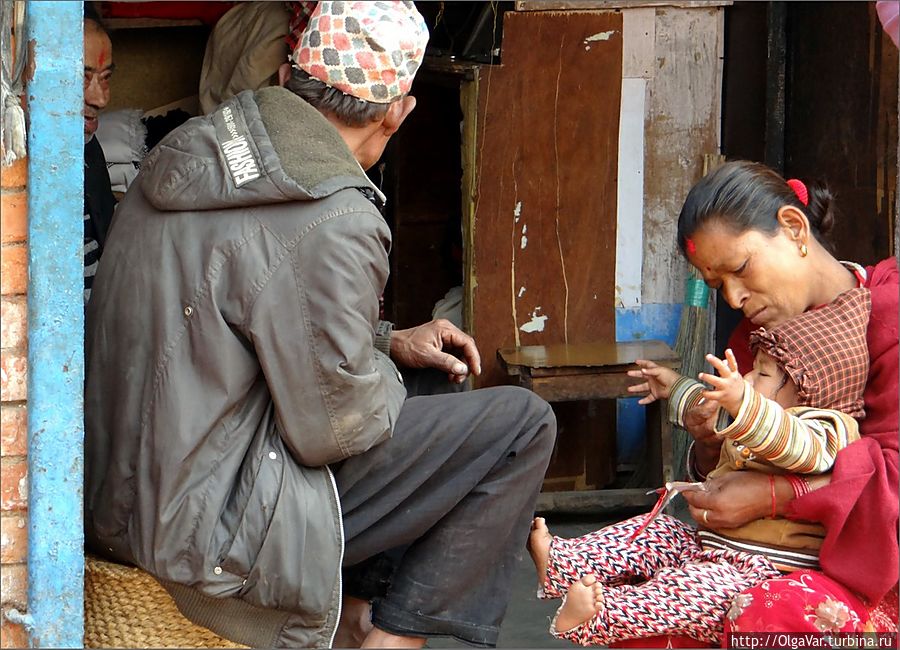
<point x="348" y="109"/>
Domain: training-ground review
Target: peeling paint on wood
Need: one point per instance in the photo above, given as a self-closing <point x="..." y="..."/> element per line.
<point x="600" y="36"/>
<point x="536" y="324"/>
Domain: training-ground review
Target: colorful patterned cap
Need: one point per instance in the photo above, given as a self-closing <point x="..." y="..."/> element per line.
<point x="370" y="50"/>
<point x="824" y="351"/>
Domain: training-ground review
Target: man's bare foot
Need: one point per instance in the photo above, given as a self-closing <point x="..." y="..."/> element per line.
<point x="355" y="623"/>
<point x="539" y="547"/>
<point x="583" y="600"/>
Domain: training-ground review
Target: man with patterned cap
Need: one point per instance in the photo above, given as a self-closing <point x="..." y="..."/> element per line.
<point x="249" y="440"/>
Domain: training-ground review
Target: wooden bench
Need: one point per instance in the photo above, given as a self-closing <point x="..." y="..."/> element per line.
<point x="587" y="371"/>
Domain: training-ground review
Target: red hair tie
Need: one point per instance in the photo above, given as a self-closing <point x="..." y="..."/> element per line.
<point x="799" y="189"/>
<point x="690" y="246"/>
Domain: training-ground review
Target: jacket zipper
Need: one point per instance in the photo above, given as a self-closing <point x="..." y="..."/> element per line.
<point x="337" y="500"/>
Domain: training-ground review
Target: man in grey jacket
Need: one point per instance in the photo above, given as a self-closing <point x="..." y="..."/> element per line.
<point x="249" y="441"/>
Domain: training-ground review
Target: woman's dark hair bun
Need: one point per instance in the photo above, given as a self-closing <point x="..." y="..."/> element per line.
<point x="821" y="208"/>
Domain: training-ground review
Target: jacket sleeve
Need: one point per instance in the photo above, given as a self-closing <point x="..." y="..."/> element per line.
<point x="802" y="440"/>
<point x="685" y="394"/>
<point x="313" y="330"/>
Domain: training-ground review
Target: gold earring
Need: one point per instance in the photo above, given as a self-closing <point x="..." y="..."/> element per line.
<point x="804" y="251"/>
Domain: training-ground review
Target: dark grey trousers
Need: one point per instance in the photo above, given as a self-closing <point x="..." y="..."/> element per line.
<point x="437" y="517"/>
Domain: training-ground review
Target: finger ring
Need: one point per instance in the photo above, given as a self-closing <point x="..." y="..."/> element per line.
<point x="705" y="520"/>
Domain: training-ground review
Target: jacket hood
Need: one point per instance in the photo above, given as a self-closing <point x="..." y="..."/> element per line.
<point x="260" y="147"/>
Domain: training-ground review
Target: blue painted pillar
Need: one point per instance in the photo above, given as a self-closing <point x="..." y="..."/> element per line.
<point x="55" y="325"/>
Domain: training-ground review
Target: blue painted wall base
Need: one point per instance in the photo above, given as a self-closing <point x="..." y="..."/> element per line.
<point x="650" y="321"/>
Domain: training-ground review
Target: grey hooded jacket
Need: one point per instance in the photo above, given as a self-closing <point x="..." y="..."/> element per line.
<point x="230" y="357"/>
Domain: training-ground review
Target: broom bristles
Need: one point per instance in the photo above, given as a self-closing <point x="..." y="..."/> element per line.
<point x="692" y="340"/>
<point x="690" y="344"/>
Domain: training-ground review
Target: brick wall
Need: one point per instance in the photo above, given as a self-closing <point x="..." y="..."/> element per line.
<point x="13" y="412"/>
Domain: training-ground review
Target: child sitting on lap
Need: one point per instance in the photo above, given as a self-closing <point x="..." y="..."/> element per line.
<point x="792" y="414"/>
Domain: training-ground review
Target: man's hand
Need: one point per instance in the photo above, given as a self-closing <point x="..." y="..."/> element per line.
<point x="728" y="387"/>
<point x="423" y="347"/>
<point x="658" y="381"/>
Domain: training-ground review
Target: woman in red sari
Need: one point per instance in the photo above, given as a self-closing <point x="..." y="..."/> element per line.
<point x="759" y="240"/>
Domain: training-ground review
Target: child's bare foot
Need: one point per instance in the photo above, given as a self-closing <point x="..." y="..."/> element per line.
<point x="539" y="547"/>
<point x="583" y="600"/>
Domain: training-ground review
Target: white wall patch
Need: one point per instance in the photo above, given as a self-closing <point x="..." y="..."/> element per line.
<point x="630" y="194"/>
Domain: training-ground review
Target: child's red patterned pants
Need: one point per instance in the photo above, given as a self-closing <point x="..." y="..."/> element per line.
<point x="663" y="582"/>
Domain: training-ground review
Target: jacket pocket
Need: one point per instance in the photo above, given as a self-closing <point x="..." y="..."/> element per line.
<point x="298" y="566"/>
<point x="262" y="474"/>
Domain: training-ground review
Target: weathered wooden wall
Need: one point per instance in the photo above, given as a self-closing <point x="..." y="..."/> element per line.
<point x="682" y="125"/>
<point x="664" y="96"/>
<point x="841" y="119"/>
<point x="424" y="209"/>
<point x="544" y="224"/>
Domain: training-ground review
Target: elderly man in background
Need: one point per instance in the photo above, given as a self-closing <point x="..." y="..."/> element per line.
<point x="99" y="202"/>
<point x="249" y="439"/>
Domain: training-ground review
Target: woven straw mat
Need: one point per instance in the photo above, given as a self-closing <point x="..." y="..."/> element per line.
<point x="125" y="607"/>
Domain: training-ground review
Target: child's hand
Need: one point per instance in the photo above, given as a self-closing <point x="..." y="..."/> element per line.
<point x="658" y="381"/>
<point x="728" y="387"/>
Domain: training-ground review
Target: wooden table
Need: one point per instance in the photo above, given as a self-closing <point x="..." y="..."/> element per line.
<point x="585" y="371"/>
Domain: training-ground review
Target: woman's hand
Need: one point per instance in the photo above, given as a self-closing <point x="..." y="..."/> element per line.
<point x="658" y="381"/>
<point x="700" y="422"/>
<point x="735" y="499"/>
<point x="423" y="347"/>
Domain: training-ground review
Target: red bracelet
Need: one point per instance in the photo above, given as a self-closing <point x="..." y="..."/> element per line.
<point x="772" y="489"/>
<point x="799" y="485"/>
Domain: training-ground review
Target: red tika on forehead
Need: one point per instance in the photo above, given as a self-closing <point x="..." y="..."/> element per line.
<point x="690" y="245"/>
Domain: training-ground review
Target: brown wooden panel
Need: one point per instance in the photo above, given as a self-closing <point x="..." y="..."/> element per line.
<point x="840" y="130"/>
<point x="423" y="269"/>
<point x="595" y="501"/>
<point x="887" y="137"/>
<point x="576" y="387"/>
<point x="568" y="463"/>
<point x="588" y="357"/>
<point x="584" y="457"/>
<point x="544" y="231"/>
<point x="422" y="179"/>
<point x="600" y="451"/>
